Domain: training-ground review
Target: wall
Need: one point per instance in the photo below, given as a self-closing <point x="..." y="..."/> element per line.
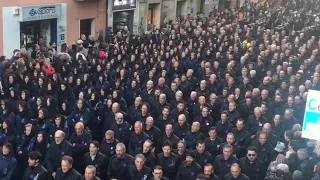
<point x="74" y="12"/>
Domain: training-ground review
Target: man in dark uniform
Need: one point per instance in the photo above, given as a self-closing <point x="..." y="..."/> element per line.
<point x="66" y="172"/>
<point x="119" y="165"/>
<point x="138" y="137"/>
<point x="139" y="170"/>
<point x="59" y="148"/>
<point x="80" y="140"/>
<point x="251" y="165"/>
<point x="223" y="162"/>
<point x="108" y="145"/>
<point x="168" y="161"/>
<point x="188" y="169"/>
<point x="96" y="159"/>
<point x="35" y="170"/>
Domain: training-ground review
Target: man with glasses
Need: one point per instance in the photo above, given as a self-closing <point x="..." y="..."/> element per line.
<point x="108" y="145"/>
<point x="251" y="165"/>
<point x="59" y="148"/>
<point x="158" y="173"/>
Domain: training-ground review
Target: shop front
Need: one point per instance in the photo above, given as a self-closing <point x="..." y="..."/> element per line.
<point x="29" y="25"/>
<point x="123" y="13"/>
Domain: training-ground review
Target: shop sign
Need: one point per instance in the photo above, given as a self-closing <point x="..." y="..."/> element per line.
<point x="62" y="30"/>
<point x="119" y="5"/>
<point x="32" y="13"/>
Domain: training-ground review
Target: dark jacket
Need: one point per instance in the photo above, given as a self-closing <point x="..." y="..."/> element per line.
<point x="122" y="132"/>
<point x="108" y="149"/>
<point x="100" y="161"/>
<point x="80" y="147"/>
<point x="223" y="166"/>
<point x="143" y="174"/>
<point x="7" y="166"/>
<point x="188" y="171"/>
<point x="136" y="142"/>
<point x="70" y="175"/>
<point x="169" y="165"/>
<point x="55" y="153"/>
<point x="253" y="170"/>
<point x="119" y="168"/>
<point x="39" y="173"/>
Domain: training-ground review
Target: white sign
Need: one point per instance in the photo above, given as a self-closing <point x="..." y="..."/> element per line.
<point x="32" y="13"/>
<point x="311" y="122"/>
<point x="62" y="33"/>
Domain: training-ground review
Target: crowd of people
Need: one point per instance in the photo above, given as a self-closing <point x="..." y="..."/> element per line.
<point x="206" y="98"/>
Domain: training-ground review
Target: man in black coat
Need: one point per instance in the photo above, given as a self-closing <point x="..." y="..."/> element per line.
<point x="80" y="140"/>
<point x="209" y="172"/>
<point x="66" y="172"/>
<point x="193" y="135"/>
<point x="121" y="129"/>
<point x="35" y="170"/>
<point x="119" y="164"/>
<point x="90" y="173"/>
<point x="154" y="133"/>
<point x="139" y="170"/>
<point x="168" y="161"/>
<point x="96" y="159"/>
<point x="223" y="162"/>
<point x="59" y="148"/>
<point x="251" y="166"/>
<point x="188" y="169"/>
<point x="108" y="144"/>
<point x="138" y="137"/>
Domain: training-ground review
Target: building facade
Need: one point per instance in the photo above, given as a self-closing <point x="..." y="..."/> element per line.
<point x="137" y="14"/>
<point x="60" y="21"/>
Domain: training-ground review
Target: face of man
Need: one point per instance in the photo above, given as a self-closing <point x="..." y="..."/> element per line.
<point x="89" y="174"/>
<point x="139" y="163"/>
<point x="93" y="149"/>
<point x="146" y="147"/>
<point x="262" y="138"/>
<point x="120" y="152"/>
<point x="32" y="162"/>
<point x="240" y="125"/>
<point x="208" y="170"/>
<point x="157" y="174"/>
<point x="181" y="147"/>
<point x="166" y="150"/>
<point x="65" y="166"/>
<point x="251" y="155"/>
<point x="201" y="148"/>
<point x="227" y="152"/>
<point x="189" y="159"/>
<point x="235" y="171"/>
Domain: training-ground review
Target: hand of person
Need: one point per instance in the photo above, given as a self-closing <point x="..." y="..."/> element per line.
<point x="54" y="175"/>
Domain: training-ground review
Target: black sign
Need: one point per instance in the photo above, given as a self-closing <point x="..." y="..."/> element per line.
<point x="119" y="5"/>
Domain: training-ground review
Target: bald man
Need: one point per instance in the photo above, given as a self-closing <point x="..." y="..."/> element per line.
<point x="56" y="151"/>
<point x="138" y="137"/>
<point x="193" y="135"/>
<point x="80" y="140"/>
<point x="235" y="173"/>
